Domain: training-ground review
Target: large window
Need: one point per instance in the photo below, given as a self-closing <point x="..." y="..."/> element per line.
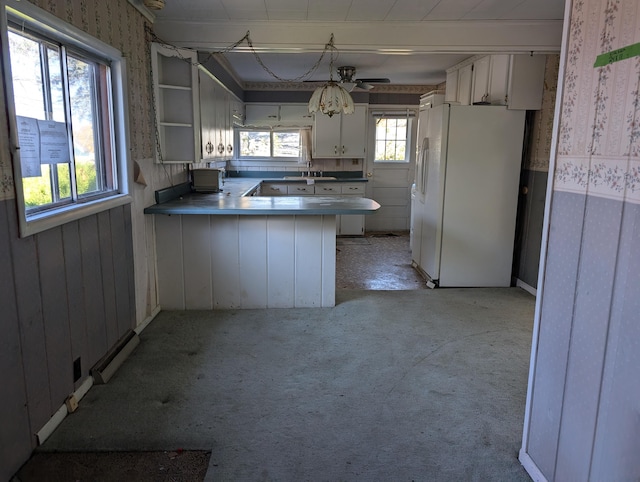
<point x="66" y="119"/>
<point x="265" y="144"/>
<point x="392" y="139"/>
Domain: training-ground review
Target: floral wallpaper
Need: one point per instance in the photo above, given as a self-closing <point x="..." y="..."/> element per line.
<point x="543" y="119"/>
<point x="119" y="24"/>
<point x="599" y="134"/>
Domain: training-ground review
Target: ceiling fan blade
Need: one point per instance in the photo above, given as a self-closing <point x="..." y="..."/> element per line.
<point x="375" y="81"/>
<point x="363" y="85"/>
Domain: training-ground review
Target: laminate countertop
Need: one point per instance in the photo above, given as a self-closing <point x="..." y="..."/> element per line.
<point x="234" y="200"/>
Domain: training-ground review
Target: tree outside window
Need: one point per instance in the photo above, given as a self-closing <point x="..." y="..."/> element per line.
<point x="391" y="139"/>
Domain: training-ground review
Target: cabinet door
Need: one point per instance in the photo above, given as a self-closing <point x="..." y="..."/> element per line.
<point x="221" y="121"/>
<point x="464" y="85"/>
<point x="451" y="87"/>
<point x="237" y="112"/>
<point x="228" y="125"/>
<point x="326" y="136"/>
<point x="300" y="189"/>
<point x="262" y="115"/>
<point x="353" y="133"/>
<point x="481" y="80"/>
<point x="268" y="189"/>
<point x="207" y="115"/>
<point x="352" y="224"/>
<point x="526" y="82"/>
<point x="499" y="79"/>
<point x="176" y="104"/>
<point x="327" y="189"/>
<point x="296" y="115"/>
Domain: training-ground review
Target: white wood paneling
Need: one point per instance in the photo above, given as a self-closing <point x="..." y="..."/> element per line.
<point x="170" y="265"/>
<point x="252" y="242"/>
<point x="280" y="261"/>
<point x="328" y="260"/>
<point x="227" y="262"/>
<point x="196" y="275"/>
<point x="225" y="255"/>
<point x="308" y="263"/>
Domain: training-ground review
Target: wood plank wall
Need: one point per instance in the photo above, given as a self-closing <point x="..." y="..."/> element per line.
<point x="66" y="293"/>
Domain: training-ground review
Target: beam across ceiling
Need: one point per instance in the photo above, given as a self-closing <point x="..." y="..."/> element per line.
<point x="390" y="38"/>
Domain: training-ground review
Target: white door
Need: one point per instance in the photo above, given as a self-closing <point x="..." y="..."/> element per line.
<point x="390" y="182"/>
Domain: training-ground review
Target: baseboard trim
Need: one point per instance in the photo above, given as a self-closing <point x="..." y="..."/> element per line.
<point x="109" y="364"/>
<point x="530" y="289"/>
<point x="140" y="328"/>
<point x="57" y="418"/>
<point x="531" y="467"/>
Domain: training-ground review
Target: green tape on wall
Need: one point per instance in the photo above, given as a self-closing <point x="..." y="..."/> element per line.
<point x="617" y="55"/>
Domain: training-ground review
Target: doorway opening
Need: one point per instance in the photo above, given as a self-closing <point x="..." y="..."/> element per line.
<point x="376" y="261"/>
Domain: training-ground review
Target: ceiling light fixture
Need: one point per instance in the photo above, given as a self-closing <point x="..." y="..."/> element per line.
<point x="331" y="98"/>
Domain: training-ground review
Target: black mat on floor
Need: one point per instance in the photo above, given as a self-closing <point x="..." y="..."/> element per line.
<point x="176" y="466"/>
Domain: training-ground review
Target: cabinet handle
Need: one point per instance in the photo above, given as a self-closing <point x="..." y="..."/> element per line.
<point x="221" y="148"/>
<point x="229" y="148"/>
<point x="335" y="150"/>
<point x="344" y="149"/>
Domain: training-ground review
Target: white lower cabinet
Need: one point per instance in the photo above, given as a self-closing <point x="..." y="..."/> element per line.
<point x="351" y="224"/>
<point x="346" y="224"/>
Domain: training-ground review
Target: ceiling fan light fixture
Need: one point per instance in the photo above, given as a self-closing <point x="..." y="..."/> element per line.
<point x="330" y="99"/>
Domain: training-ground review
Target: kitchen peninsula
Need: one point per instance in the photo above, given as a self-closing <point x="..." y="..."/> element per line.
<point x="236" y="249"/>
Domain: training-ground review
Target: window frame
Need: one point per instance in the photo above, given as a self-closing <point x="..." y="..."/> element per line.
<point x="410" y="118"/>
<point x="271" y="132"/>
<point x="76" y="41"/>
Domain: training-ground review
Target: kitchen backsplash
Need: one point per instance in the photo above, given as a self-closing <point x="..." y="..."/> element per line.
<point x="317" y="165"/>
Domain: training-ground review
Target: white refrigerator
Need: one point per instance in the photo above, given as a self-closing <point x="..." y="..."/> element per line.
<point x="466" y="194"/>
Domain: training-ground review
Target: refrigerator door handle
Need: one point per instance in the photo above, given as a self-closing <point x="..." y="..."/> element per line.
<point x="425" y="165"/>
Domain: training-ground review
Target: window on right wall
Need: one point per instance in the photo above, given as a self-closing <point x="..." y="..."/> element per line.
<point x="392" y="138"/>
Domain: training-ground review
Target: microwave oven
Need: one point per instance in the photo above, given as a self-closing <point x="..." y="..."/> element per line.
<point x="207" y="180"/>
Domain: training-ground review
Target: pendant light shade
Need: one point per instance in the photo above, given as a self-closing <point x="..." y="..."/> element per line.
<point x="331" y="99"/>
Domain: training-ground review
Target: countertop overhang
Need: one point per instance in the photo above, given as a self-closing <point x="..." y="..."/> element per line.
<point x="232" y="201"/>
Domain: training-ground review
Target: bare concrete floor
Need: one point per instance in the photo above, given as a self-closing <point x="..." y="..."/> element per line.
<point x="406" y="385"/>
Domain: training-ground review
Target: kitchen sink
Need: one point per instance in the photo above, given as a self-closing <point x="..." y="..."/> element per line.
<point x="304" y="178"/>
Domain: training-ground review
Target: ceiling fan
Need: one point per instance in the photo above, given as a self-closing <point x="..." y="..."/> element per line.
<point x="347" y="80"/>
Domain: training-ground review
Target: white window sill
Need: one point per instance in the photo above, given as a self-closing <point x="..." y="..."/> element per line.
<point x="51" y="219"/>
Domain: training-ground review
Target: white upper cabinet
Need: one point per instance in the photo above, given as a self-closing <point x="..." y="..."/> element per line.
<point x="512" y="80"/>
<point x="176" y="104"/>
<point x="465" y="81"/>
<point x="526" y="81"/>
<point x="480" y="83"/>
<point x="340" y="136"/>
<point x="295" y="115"/>
<point x="220" y="110"/>
<point x="278" y="115"/>
<point x="207" y="115"/>
<point x="451" y="91"/>
<point x="262" y="115"/>
<point x="498" y="87"/>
